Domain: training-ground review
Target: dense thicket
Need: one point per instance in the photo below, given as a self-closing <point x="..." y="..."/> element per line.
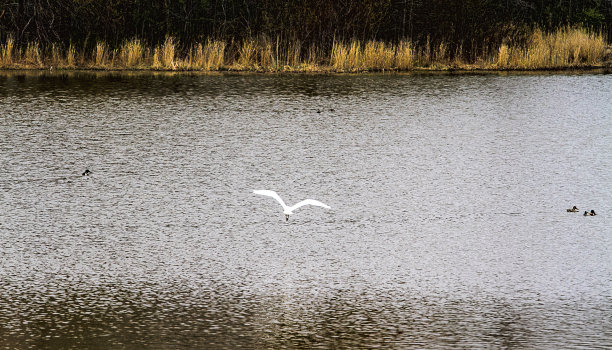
<point x="467" y="25"/>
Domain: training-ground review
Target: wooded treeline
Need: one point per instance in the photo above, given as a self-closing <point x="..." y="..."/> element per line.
<point x="468" y="26"/>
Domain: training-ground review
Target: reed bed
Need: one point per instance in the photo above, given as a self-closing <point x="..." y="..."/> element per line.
<point x="56" y="56"/>
<point x="6" y="57"/>
<point x="209" y="56"/>
<point x="404" y="55"/>
<point x="132" y="53"/>
<point x="71" y="57"/>
<point x="247" y="55"/>
<point x="168" y="54"/>
<point x="564" y="48"/>
<point x="100" y="53"/>
<point x="32" y="55"/>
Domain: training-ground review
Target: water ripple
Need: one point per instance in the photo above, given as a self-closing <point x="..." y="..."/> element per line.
<point x="448" y="228"/>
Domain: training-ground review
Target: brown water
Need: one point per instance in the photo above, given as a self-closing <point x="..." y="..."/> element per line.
<point x="448" y="226"/>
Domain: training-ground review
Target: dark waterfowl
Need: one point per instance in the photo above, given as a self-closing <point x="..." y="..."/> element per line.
<point x="586" y="213"/>
<point x="573" y="210"/>
<point x="593" y="212"/>
<point x="86" y="172"/>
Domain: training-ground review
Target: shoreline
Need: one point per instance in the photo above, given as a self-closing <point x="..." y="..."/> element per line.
<point x="597" y="69"/>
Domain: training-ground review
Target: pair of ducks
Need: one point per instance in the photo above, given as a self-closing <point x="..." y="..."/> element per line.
<point x="586" y="213"/>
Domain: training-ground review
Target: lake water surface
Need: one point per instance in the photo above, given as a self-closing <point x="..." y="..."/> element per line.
<point x="448" y="226"/>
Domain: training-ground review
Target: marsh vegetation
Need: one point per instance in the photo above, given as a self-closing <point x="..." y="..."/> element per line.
<point x="563" y="48"/>
<point x="347" y="36"/>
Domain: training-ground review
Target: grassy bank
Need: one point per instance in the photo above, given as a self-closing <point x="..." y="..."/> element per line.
<point x="564" y="48"/>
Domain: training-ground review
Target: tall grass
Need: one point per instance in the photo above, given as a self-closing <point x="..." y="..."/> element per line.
<point x="132" y="53"/>
<point x="503" y="57"/>
<point x="71" y="57"/>
<point x="565" y="47"/>
<point x="294" y="54"/>
<point x="56" y="56"/>
<point x="247" y="54"/>
<point x="100" y="54"/>
<point x="156" y="59"/>
<point x="374" y="55"/>
<point x="168" y="54"/>
<point x="378" y="55"/>
<point x="267" y="57"/>
<point x="425" y="54"/>
<point x="213" y="54"/>
<point x="208" y="56"/>
<point x="441" y="54"/>
<point x="6" y="57"/>
<point x="265" y="54"/>
<point x="404" y="55"/>
<point x="32" y="55"/>
<point x="346" y="57"/>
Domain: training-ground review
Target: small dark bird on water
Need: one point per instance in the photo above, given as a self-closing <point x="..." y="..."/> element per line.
<point x="592" y="213"/>
<point x="86" y="172"/>
<point x="573" y="210"/>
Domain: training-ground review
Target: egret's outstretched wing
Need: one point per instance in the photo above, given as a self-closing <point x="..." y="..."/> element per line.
<point x="311" y="202"/>
<point x="273" y="195"/>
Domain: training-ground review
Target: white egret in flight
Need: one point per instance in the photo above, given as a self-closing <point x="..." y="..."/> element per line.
<point x="286" y="209"/>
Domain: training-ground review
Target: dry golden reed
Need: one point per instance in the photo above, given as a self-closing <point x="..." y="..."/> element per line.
<point x="294" y="53"/>
<point x="404" y="55"/>
<point x="56" y="56"/>
<point x="425" y="58"/>
<point x="156" y="60"/>
<point x="503" y="56"/>
<point x="206" y="57"/>
<point x="378" y="55"/>
<point x="374" y="55"/>
<point x="132" y="53"/>
<point x="441" y="54"/>
<point x="565" y="47"/>
<point x="100" y="53"/>
<point x="32" y="55"/>
<point x="247" y="54"/>
<point x="214" y="53"/>
<point x="70" y="56"/>
<point x="266" y="54"/>
<point x="7" y="52"/>
<point x="346" y="57"/>
<point x="168" y="54"/>
<point x="197" y="57"/>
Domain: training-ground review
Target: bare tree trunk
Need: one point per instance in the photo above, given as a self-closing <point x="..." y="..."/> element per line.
<point x="167" y="16"/>
<point x="403" y="22"/>
<point x="20" y="22"/>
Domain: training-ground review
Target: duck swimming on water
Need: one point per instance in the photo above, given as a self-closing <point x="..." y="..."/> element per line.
<point x="573" y="210"/>
<point x="86" y="172"/>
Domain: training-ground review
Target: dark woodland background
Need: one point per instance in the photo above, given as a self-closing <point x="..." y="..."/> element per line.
<point x="468" y="26"/>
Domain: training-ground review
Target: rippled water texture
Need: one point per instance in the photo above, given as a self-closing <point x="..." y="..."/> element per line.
<point x="448" y="226"/>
